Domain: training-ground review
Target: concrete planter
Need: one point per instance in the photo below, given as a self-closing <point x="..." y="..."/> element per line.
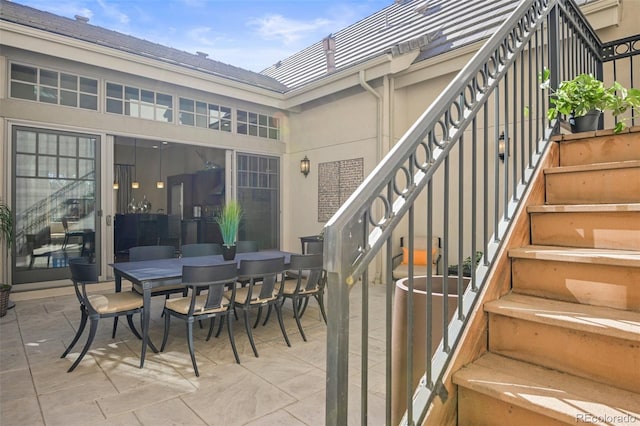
<point x="399" y="333"/>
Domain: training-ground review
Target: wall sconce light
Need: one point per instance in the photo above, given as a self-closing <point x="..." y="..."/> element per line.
<point x="305" y="166"/>
<point x="160" y="182"/>
<point x="135" y="184"/>
<point x="502" y="146"/>
<point x="116" y="185"/>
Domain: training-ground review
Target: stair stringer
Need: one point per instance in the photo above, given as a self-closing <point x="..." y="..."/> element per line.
<point x="474" y="340"/>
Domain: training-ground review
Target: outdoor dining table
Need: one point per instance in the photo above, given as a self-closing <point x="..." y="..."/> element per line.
<point x="150" y="274"/>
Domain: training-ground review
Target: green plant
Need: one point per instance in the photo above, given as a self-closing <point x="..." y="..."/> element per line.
<point x="229" y="219"/>
<point x="585" y="93"/>
<point x="6" y="231"/>
<point x="467" y="265"/>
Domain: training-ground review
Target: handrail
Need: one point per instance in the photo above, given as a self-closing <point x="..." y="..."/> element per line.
<point x="494" y="99"/>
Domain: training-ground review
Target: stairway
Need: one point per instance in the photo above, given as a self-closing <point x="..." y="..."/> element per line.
<point x="564" y="344"/>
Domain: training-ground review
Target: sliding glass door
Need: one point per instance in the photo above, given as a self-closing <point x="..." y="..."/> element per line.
<point x="55" y="202"/>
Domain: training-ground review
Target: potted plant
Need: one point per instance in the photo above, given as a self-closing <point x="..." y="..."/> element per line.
<point x="585" y="97"/>
<point x="6" y="233"/>
<point x="229" y="219"/>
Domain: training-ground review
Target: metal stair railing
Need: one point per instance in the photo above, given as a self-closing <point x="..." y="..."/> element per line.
<point x="445" y="177"/>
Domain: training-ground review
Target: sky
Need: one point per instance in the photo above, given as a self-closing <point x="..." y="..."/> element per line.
<point x="252" y="34"/>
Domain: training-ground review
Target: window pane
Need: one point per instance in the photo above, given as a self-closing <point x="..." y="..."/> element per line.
<point x="68" y="98"/>
<point x="47" y="166"/>
<point x="226" y="126"/>
<point x="86" y="167"/>
<point x="147" y="96"/>
<point x="87" y="147"/>
<point x="114" y="90"/>
<point x="253" y="130"/>
<point x="23" y="91"/>
<point x="49" y="95"/>
<point x="89" y="85"/>
<point x="25" y="165"/>
<point x="67" y="168"/>
<point x="68" y="81"/>
<point x="242" y="129"/>
<point x="89" y="102"/>
<point x="114" y="106"/>
<point x="253" y="118"/>
<point x="273" y="134"/>
<point x="242" y="116"/>
<point x="164" y="100"/>
<point x="225" y="112"/>
<point x="273" y="122"/>
<point x="147" y="111"/>
<point x="23" y="73"/>
<point x="49" y="78"/>
<point x="131" y="93"/>
<point x="186" y="105"/>
<point x="47" y="143"/>
<point x="186" y="119"/>
<point x="26" y="141"/>
<point x="201" y="108"/>
<point x="68" y="146"/>
<point x="262" y="132"/>
<point x="262" y="120"/>
<point x="201" y="121"/>
<point x="164" y="114"/>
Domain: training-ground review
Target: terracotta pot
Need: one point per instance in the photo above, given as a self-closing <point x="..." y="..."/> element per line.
<point x="399" y="333"/>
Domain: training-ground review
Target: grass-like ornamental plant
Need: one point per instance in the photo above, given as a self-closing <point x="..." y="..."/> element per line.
<point x="585" y="93"/>
<point x="229" y="219"/>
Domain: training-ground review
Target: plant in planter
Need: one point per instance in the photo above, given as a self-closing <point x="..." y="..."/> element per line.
<point x="585" y="97"/>
<point x="6" y="233"/>
<point x="467" y="266"/>
<point x="229" y="220"/>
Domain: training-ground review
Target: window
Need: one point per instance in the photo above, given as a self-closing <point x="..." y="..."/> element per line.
<point x="202" y="114"/>
<point x="53" y="87"/>
<point x="254" y="124"/>
<point x="140" y="103"/>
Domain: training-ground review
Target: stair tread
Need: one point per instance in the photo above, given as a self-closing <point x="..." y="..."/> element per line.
<point x="596" y="166"/>
<point x="577" y="208"/>
<point x="592" y="319"/>
<point x="548" y="392"/>
<point x="614" y="257"/>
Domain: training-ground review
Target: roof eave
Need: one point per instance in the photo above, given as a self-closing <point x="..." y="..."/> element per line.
<point x="376" y="67"/>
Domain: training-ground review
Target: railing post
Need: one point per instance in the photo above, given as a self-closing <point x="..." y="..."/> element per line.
<point x="337" y="347"/>
<point x="553" y="40"/>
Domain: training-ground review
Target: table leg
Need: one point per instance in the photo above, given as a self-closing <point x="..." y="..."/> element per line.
<point x="146" y="314"/>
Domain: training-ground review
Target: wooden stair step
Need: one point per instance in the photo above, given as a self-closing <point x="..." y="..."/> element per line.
<point x="599" y="277"/>
<point x="594" y="183"/>
<point x="535" y="395"/>
<point x="578" y="255"/>
<point x="600" y="343"/>
<point x="608" y="226"/>
<point x="593" y="319"/>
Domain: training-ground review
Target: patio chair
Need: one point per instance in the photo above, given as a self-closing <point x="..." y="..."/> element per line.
<point x="215" y="303"/>
<point x="308" y="282"/>
<point x="246" y="246"/>
<point x="200" y="249"/>
<point x="97" y="306"/>
<point x="262" y="290"/>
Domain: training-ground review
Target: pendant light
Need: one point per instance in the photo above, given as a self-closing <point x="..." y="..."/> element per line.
<point x="160" y="182"/>
<point x="135" y="184"/>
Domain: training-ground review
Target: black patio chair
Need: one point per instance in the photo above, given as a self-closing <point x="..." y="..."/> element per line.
<point x="215" y="303"/>
<point x="97" y="306"/>
<point x="263" y="289"/>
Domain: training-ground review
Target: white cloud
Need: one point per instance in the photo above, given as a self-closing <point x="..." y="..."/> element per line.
<point x="289" y="31"/>
<point x="112" y="11"/>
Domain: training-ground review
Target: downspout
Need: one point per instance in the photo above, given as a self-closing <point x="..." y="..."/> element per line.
<point x="379" y="128"/>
